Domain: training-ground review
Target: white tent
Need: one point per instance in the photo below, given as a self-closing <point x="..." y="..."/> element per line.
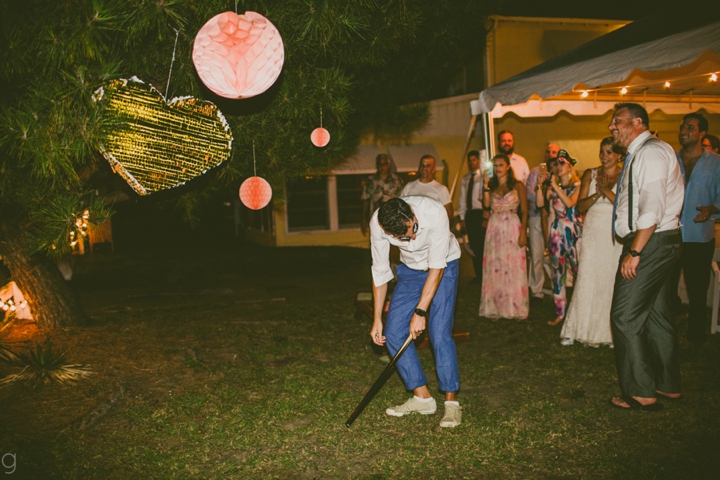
<point x="669" y="60"/>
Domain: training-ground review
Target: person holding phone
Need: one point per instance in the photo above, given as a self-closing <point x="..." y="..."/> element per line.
<point x="537" y="226"/>
<point x="562" y="195"/>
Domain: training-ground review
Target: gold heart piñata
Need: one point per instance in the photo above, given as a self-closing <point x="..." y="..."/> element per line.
<point x="156" y="145"/>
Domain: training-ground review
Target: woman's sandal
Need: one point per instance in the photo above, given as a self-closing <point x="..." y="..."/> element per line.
<point x="635" y="405"/>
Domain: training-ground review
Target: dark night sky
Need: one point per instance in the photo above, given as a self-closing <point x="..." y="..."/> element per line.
<point x="603" y="9"/>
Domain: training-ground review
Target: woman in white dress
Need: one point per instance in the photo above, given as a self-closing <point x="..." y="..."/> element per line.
<point x="588" y="317"/>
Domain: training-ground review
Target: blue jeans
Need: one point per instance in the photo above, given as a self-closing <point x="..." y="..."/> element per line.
<point x="440" y="324"/>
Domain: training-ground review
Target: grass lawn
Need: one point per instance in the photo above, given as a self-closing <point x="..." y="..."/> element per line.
<point x="245" y="362"/>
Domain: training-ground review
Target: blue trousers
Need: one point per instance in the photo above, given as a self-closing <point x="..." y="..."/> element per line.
<point x="439" y="325"/>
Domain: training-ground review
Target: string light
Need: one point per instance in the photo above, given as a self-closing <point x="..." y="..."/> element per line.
<point x="80" y="228"/>
<point x="9" y="304"/>
<point x="645" y="87"/>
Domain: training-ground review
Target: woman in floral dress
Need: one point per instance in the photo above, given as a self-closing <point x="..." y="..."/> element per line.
<point x="562" y="195"/>
<point x="505" y="288"/>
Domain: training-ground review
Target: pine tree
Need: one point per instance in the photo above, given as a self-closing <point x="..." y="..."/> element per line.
<point x="366" y="63"/>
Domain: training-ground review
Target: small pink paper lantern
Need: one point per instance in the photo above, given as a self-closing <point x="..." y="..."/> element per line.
<point x="238" y="56"/>
<point x="320" y="137"/>
<point x="255" y="193"/>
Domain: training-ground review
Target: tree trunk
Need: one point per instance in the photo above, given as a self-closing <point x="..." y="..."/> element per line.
<point x="51" y="300"/>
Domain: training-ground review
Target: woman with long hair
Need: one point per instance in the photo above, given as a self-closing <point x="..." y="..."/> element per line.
<point x="588" y="317"/>
<point x="562" y="195"/>
<point x="505" y="288"/>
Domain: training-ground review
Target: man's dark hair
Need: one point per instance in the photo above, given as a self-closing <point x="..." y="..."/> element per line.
<point x="494" y="182"/>
<point x="503" y="132"/>
<point x="473" y="153"/>
<point x="703" y="125"/>
<point x="425" y="157"/>
<point x="393" y="216"/>
<point x="714" y="141"/>
<point x="380" y="158"/>
<point x="636" y="111"/>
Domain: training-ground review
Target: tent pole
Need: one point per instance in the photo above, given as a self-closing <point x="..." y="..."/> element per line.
<point x="462" y="156"/>
<point x="489" y="134"/>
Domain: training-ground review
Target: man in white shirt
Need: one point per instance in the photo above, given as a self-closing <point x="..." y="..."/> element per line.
<point x="427" y="186"/>
<point x="427" y="285"/>
<point x="472" y="216"/>
<point x="647" y="209"/>
<point x="506" y="145"/>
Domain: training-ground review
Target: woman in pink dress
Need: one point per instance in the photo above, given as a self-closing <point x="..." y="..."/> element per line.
<point x="505" y="288"/>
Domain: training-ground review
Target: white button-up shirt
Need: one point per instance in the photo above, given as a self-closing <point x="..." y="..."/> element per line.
<point x="520" y="167"/>
<point x="478" y="183"/>
<point x="658" y="189"/>
<point x="433" y="247"/>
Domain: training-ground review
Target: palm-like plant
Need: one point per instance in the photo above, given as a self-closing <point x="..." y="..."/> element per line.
<point x="41" y="367"/>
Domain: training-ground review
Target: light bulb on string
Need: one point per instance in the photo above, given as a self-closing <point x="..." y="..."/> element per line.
<point x="584" y="94"/>
<point x="713" y="77"/>
<point x="623" y="90"/>
<point x="667" y="85"/>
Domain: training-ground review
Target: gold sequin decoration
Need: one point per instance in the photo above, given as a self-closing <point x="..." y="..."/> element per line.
<point x="156" y="145"/>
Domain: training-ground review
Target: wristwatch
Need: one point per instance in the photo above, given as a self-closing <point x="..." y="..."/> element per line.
<point x="634" y="253"/>
<point x="420" y="312"/>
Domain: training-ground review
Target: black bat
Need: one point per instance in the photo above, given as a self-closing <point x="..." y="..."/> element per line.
<point x="378" y="383"/>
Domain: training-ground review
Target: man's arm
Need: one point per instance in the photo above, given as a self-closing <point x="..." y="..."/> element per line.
<point x="464" y="185"/>
<point x="364" y="215"/>
<point x="628" y="269"/>
<point x="417" y="323"/>
<point x="379" y="295"/>
<point x="449" y="210"/>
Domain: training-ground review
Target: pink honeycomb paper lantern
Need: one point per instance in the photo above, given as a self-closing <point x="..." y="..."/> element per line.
<point x="255" y="193"/>
<point x="320" y="137"/>
<point x="238" y="56"/>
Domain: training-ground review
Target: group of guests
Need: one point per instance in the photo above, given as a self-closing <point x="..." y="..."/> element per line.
<point x="627" y="211"/>
<point x="553" y="212"/>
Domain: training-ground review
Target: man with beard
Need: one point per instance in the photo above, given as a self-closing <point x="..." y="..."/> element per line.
<point x="646" y="215"/>
<point x="701" y="171"/>
<point x="427" y="186"/>
<point x="506" y="145"/>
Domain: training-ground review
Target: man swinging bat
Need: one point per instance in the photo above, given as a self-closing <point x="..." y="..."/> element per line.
<point x="426" y="288"/>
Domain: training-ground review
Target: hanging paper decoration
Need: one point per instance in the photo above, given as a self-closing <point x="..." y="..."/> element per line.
<point x="238" y="56"/>
<point x="255" y="192"/>
<point x="320" y="137"/>
<point x="156" y="145"/>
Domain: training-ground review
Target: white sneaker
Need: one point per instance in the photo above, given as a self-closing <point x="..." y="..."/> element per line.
<point x="411" y="406"/>
<point x="567" y="341"/>
<point x="452" y="417"/>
